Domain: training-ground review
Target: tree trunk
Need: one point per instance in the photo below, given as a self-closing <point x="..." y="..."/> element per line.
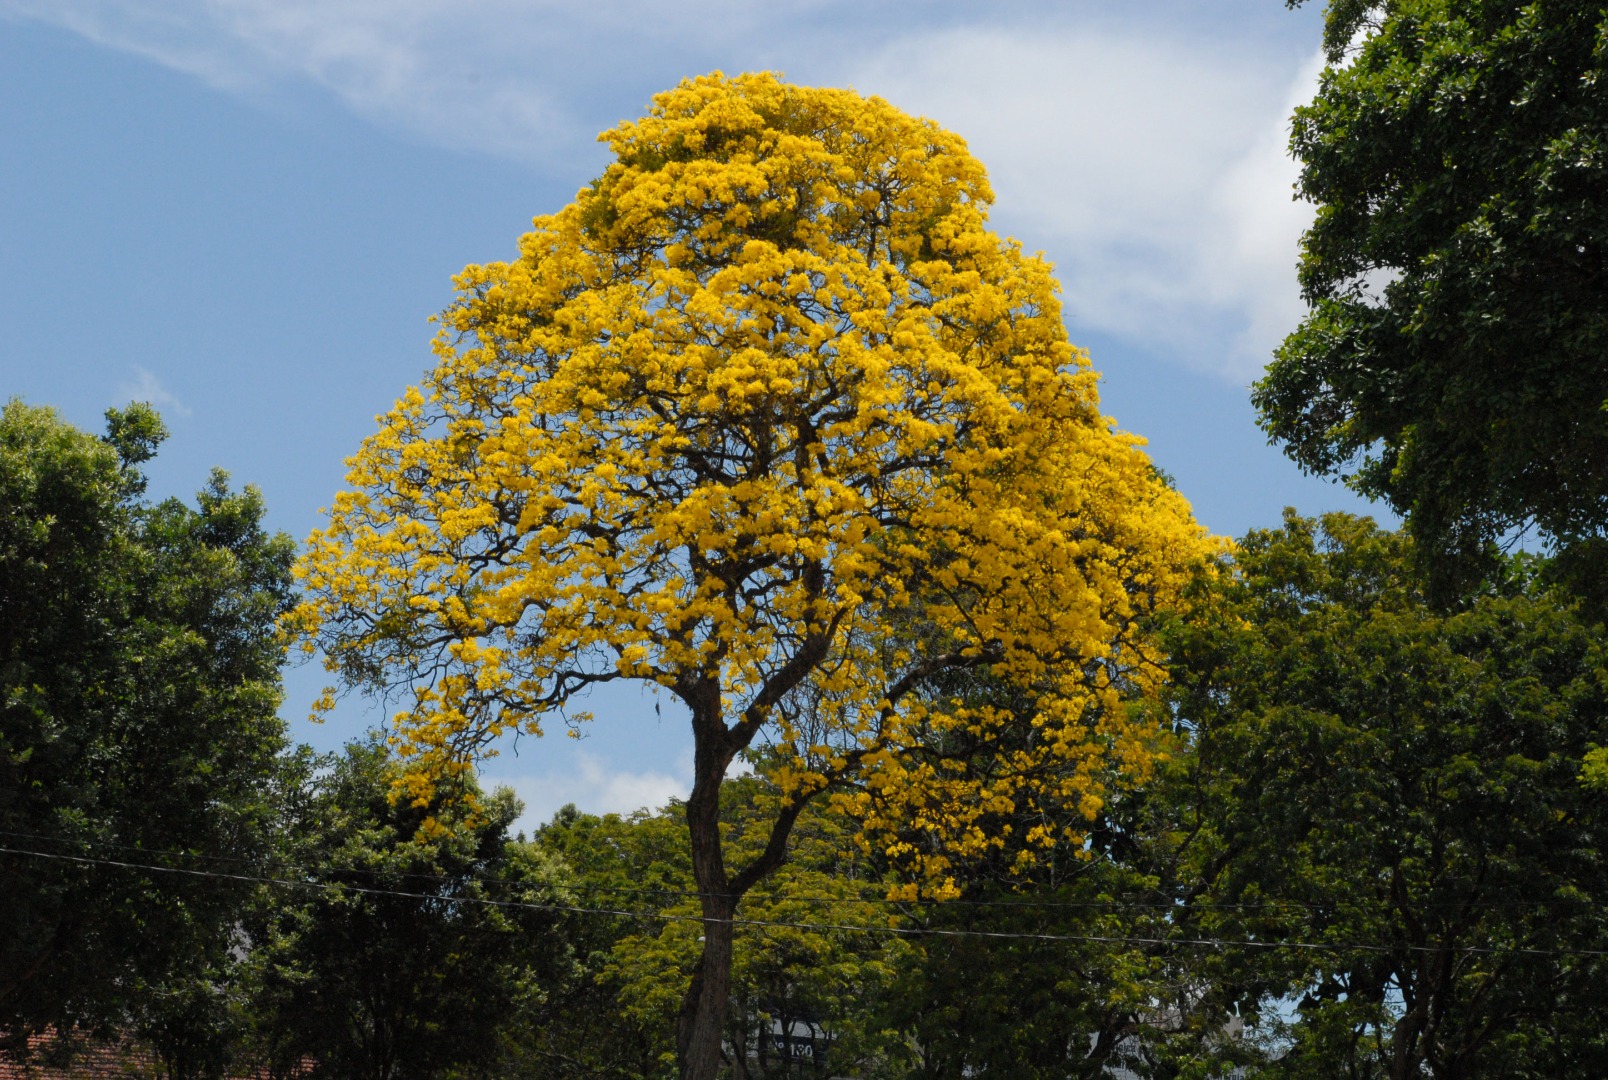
<point x="703" y="1010"/>
<point x="739" y="1049"/>
<point x="702" y="1018"/>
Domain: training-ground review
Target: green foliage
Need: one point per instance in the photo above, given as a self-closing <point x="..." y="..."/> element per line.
<point x="899" y="990"/>
<point x="971" y="1004"/>
<point x="1451" y="362"/>
<point x="1069" y="963"/>
<point x="135" y="433"/>
<point x="824" y="960"/>
<point x="1396" y="789"/>
<point x="138" y="687"/>
<point x="1369" y="854"/>
<point x="588" y="1026"/>
<point x="829" y="968"/>
<point x="1594" y="769"/>
<point x="402" y="971"/>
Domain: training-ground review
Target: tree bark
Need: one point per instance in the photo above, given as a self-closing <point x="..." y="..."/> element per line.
<point x="703" y="1010"/>
<point x="701" y="1021"/>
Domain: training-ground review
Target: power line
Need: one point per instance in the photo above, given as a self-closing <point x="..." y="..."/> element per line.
<point x="1160" y="906"/>
<point x="889" y="931"/>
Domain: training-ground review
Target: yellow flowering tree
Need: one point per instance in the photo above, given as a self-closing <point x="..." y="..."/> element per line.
<point x="766" y="417"/>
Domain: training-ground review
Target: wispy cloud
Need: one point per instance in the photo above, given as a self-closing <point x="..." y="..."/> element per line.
<point x="1153" y="172"/>
<point x="148" y="388"/>
<point x="1147" y="161"/>
<point x="180" y="35"/>
<point x="445" y="71"/>
<point x="532" y="80"/>
<point x="593" y="787"/>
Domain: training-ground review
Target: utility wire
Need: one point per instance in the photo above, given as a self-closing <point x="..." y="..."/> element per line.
<point x="1159" y="905"/>
<point x="888" y="931"/>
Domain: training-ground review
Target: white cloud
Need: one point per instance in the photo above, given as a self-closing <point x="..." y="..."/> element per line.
<point x="1152" y="172"/>
<point x="148" y="388"/>
<point x="1258" y="224"/>
<point x="532" y="80"/>
<point x="1145" y="158"/>
<point x="446" y="71"/>
<point x="176" y="35"/>
<point x="586" y="781"/>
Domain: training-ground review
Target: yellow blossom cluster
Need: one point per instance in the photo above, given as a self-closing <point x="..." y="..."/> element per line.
<point x="766" y="416"/>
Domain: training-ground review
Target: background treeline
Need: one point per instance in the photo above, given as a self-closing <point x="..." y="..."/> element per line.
<point x="1370" y="851"/>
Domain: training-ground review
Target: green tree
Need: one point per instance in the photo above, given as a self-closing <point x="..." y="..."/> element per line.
<point x="139" y="682"/>
<point x="627" y="869"/>
<point x="1452" y="361"/>
<point x="1388" y="803"/>
<point x="1060" y="961"/>
<point x="418" y="937"/>
<point x="811" y="961"/>
<point x="813" y="950"/>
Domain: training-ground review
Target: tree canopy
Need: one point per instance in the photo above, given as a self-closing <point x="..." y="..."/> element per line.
<point x="412" y="957"/>
<point x="139" y="682"/>
<point x="766" y="417"/>
<point x="1452" y="359"/>
<point x="1386" y="810"/>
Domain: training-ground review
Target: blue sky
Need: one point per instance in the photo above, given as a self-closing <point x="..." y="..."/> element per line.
<point x="245" y="211"/>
